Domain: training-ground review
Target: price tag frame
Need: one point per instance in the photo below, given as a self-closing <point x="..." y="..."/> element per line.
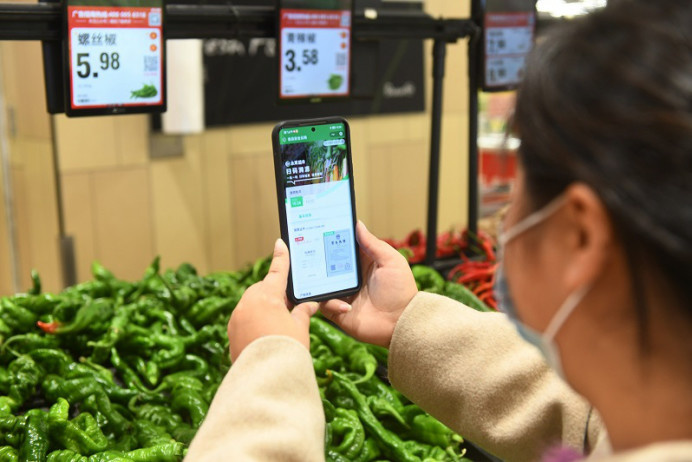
<point x="311" y="98"/>
<point x="128" y="107"/>
<point x="498" y="11"/>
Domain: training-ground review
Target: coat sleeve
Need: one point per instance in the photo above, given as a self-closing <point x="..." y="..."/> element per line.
<point x="268" y="407"/>
<point x="473" y="372"/>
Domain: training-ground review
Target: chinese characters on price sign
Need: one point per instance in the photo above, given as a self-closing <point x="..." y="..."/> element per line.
<point x="508" y="40"/>
<point x="115" y="56"/>
<point x="315" y="53"/>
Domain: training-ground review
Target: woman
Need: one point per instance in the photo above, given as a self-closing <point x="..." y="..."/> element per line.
<point x="596" y="273"/>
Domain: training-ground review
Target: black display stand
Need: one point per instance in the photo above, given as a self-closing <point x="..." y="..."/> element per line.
<point x="43" y="21"/>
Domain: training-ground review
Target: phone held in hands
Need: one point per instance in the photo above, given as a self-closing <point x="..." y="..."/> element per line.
<point x="317" y="210"/>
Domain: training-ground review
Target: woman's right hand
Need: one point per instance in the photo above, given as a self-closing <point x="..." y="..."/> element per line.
<point x="388" y="287"/>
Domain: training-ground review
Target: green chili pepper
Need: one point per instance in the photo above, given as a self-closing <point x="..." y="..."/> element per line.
<point x="161" y="452"/>
<point x="348" y="426"/>
<point x="184" y="433"/>
<point x="391" y="445"/>
<point x="25" y="375"/>
<point x="51" y="360"/>
<point x="89" y="317"/>
<point x="36" y="283"/>
<point x="8" y="454"/>
<point x="7" y="405"/>
<point x="461" y="294"/>
<point x="12" y="428"/>
<point x="427" y="429"/>
<point x="128" y="375"/>
<point x="100" y="273"/>
<point x="16" y="317"/>
<point x="381" y="407"/>
<point x="5" y="380"/>
<point x="149" y="434"/>
<point x="38" y="304"/>
<point x="206" y="308"/>
<point x="428" y="279"/>
<point x="158" y="415"/>
<point x="77" y="390"/>
<point x="26" y="343"/>
<point x="116" y="330"/>
<point x="356" y="353"/>
<point x="192" y="402"/>
<point x="65" y="455"/>
<point x="109" y="456"/>
<point x="34" y="446"/>
<point x="81" y="435"/>
<point x="370" y="451"/>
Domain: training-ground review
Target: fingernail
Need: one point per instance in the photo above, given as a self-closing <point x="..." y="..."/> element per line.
<point x="345" y="307"/>
<point x="277" y="244"/>
<point x="314" y="306"/>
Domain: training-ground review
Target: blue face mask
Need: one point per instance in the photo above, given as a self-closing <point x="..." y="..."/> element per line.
<point x="545" y="342"/>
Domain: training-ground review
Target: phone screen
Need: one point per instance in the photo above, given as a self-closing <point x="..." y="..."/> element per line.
<point x="317" y="183"/>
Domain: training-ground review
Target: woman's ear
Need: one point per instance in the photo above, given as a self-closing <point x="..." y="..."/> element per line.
<point x="589" y="235"/>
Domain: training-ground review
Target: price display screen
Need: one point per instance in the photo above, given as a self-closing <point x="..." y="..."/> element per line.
<point x="315" y="49"/>
<point x="508" y="29"/>
<point x="115" y="53"/>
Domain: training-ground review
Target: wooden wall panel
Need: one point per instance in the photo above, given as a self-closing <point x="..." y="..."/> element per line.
<point x="216" y="184"/>
<point x="180" y="230"/>
<point x="254" y="208"/>
<point x="87" y="143"/>
<point x="41" y="203"/>
<point x="123" y="234"/>
<point x="78" y="206"/>
<point x="132" y="138"/>
<point x="22" y="65"/>
<point x="5" y="263"/>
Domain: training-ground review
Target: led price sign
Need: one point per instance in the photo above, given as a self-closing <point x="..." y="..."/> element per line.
<point x="115" y="54"/>
<point x="315" y="51"/>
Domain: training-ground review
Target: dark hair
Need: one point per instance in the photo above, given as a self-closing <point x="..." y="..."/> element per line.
<point x="607" y="101"/>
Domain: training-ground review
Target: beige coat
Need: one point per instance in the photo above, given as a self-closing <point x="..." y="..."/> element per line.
<point x="469" y="369"/>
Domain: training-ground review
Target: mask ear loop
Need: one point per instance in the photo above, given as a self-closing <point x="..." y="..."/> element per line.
<point x="531" y="221"/>
<point x="565" y="310"/>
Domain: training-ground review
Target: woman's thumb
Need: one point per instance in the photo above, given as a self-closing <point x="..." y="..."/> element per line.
<point x="375" y="248"/>
<point x="303" y="312"/>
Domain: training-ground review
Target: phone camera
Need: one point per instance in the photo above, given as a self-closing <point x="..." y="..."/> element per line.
<point x="313" y="129"/>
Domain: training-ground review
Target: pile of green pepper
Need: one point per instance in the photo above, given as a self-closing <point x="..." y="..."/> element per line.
<point x="110" y="370"/>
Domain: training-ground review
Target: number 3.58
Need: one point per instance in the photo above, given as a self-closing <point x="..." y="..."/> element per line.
<point x="107" y="60"/>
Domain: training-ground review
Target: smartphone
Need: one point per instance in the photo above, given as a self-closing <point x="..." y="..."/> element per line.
<point x="317" y="208"/>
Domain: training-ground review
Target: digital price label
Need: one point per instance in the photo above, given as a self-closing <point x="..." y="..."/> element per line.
<point x="315" y="52"/>
<point x="508" y="39"/>
<point x="115" y="53"/>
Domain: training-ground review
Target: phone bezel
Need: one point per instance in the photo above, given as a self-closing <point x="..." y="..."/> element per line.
<point x="281" y="197"/>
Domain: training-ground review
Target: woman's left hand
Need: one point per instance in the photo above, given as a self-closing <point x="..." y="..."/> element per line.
<point x="264" y="309"/>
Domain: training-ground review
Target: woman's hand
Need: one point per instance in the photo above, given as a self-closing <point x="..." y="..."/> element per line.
<point x="264" y="309"/>
<point x="388" y="287"/>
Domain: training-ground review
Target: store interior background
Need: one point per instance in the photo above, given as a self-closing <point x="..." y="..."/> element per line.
<point x="215" y="206"/>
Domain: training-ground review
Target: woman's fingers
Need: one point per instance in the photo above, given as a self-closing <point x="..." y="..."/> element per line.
<point x="377" y="249"/>
<point x="335" y="310"/>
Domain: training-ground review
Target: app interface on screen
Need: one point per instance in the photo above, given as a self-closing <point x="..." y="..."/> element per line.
<point x="318" y="209"/>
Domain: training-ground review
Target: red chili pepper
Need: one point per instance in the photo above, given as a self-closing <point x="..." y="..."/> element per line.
<point x="476" y="275"/>
<point x="48" y="327"/>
